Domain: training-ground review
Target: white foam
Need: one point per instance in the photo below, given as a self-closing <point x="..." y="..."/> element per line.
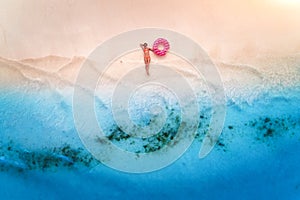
<point x="242" y="82"/>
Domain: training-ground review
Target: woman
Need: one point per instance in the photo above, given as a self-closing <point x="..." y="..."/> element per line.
<point x="147" y="58"/>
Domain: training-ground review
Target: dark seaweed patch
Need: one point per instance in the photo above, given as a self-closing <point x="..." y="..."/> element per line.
<point x="158" y="141"/>
<point x="269" y="132"/>
<point x="268" y="127"/>
<point x="221" y="144"/>
<point x="117" y="134"/>
<point x="15" y="159"/>
<point x="150" y="144"/>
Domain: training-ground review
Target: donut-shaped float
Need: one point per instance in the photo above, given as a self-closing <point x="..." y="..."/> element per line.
<point x="158" y="43"/>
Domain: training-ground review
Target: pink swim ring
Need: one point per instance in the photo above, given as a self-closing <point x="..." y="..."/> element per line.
<point x="158" y="43"/>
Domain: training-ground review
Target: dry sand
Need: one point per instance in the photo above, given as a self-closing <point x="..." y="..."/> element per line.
<point x="228" y="30"/>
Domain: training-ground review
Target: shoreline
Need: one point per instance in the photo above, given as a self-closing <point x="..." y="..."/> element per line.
<point x="243" y="82"/>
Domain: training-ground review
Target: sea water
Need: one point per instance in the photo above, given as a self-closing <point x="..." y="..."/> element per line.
<point x="256" y="156"/>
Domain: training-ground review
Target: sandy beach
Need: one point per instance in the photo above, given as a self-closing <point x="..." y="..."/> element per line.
<point x="227" y="30"/>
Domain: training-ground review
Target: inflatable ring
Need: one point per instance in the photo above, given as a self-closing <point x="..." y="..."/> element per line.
<point x="158" y="43"/>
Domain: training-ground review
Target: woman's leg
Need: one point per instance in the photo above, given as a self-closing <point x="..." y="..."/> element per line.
<point x="147" y="69"/>
<point x="147" y="63"/>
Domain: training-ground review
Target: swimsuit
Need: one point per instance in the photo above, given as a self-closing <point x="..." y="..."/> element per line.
<point x="146" y="55"/>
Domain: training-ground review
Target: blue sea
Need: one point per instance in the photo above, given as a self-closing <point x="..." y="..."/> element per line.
<point x="256" y="157"/>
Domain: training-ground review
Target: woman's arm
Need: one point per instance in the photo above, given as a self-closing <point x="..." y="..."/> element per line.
<point x="142" y="46"/>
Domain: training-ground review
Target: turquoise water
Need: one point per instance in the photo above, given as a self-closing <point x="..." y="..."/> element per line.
<point x="42" y="157"/>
